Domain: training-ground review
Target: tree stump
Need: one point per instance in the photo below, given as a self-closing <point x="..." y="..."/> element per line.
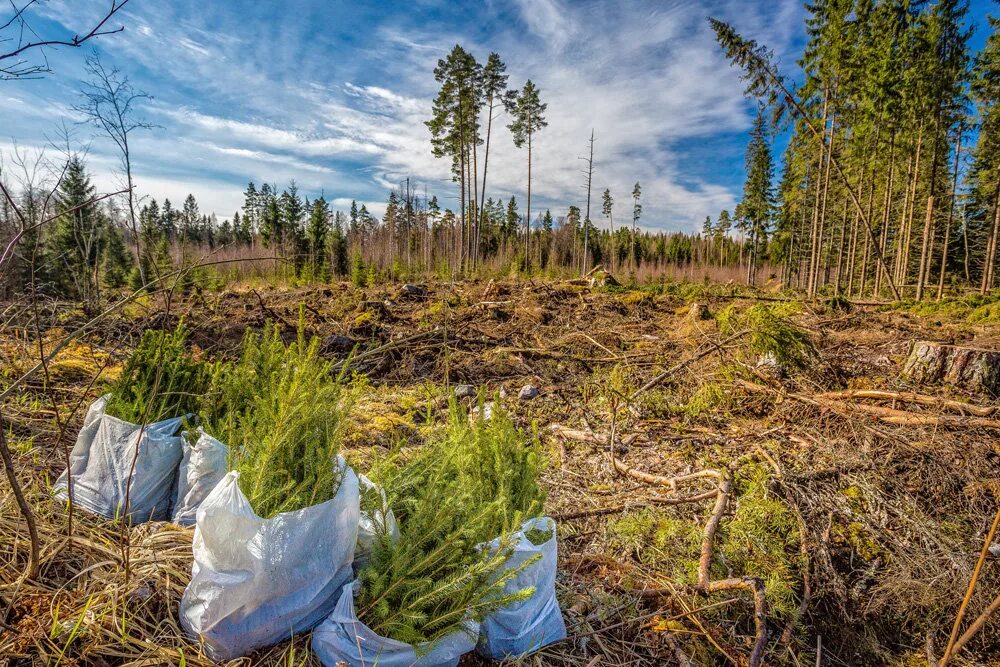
<point x="968" y="368"/>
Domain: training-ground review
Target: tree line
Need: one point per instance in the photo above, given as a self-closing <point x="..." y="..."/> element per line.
<point x="889" y="184"/>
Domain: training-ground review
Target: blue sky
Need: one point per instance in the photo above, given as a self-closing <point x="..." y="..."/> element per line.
<point x="334" y="95"/>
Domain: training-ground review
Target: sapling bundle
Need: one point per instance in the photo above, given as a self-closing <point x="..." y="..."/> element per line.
<point x="161" y="379"/>
<point x="470" y="484"/>
<point x="281" y="413"/>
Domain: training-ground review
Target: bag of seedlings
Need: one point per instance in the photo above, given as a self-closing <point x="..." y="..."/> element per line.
<point x="343" y="638"/>
<point x="109" y="452"/>
<point x="202" y="467"/>
<point x="161" y="380"/>
<point x="257" y="581"/>
<point x="377" y="519"/>
<point x="530" y="624"/>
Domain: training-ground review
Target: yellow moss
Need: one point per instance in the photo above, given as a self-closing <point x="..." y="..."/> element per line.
<point x="856" y="536"/>
<point x="636" y="299"/>
<point x="363" y="318"/>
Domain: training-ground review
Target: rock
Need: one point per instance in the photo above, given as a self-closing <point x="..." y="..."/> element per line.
<point x="464" y="391"/>
<point x="699" y="311"/>
<point x="337" y="344"/>
<point x="412" y="292"/>
<point x="503" y="393"/>
<point x="973" y="369"/>
<point x="528" y="392"/>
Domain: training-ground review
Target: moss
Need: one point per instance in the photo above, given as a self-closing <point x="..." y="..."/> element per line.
<point x="857" y="537"/>
<point x="708" y="398"/>
<point x="636" y="299"/>
<point x="363" y="318"/>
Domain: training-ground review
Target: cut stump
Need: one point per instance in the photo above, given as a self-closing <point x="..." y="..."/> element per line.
<point x="973" y="369"/>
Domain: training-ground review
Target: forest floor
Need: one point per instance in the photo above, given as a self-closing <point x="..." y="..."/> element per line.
<point x="712" y="509"/>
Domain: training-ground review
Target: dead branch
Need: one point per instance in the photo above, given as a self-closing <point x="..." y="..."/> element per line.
<point x="681" y="365"/>
<point x="975" y="627"/>
<point x="18" y="68"/>
<point x="887" y="415"/>
<point x="910" y="397"/>
<point x="29" y="517"/>
<point x="953" y="645"/>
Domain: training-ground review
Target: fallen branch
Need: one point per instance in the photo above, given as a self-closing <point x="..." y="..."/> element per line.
<point x="887" y="415"/>
<point x="680" y="366"/>
<point x="956" y="645"/>
<point x="29" y="517"/>
<point x="910" y="397"/>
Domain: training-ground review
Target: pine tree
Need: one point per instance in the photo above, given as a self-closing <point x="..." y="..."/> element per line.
<point x="528" y="118"/>
<point x="190" y="218"/>
<point x="494" y="91"/>
<point x="316" y="233"/>
<point x="636" y="214"/>
<point x="984" y="179"/>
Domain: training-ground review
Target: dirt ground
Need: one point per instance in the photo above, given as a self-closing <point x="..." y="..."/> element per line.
<point x="842" y="535"/>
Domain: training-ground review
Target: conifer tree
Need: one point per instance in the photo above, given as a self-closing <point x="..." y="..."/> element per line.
<point x="758" y="195"/>
<point x="528" y="118"/>
<point x="636" y="214"/>
<point x="79" y="236"/>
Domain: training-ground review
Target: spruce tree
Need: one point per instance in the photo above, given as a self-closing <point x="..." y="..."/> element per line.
<point x="757" y="206"/>
<point x="78" y="238"/>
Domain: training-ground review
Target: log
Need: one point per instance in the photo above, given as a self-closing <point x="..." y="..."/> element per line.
<point x="969" y="368"/>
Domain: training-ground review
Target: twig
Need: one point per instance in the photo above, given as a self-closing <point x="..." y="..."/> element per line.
<point x="29" y="517"/>
<point x="953" y="645"/>
<point x="680" y="366"/>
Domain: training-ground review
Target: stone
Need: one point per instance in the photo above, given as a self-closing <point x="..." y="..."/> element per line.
<point x="464" y="391"/>
<point x="412" y="292"/>
<point x="528" y="392"/>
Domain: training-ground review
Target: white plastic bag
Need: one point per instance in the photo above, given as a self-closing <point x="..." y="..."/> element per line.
<point x="344" y="638"/>
<point x="202" y="467"/>
<point x="102" y="458"/>
<point x="257" y="581"/>
<point x="526" y="626"/>
<point x="372" y="524"/>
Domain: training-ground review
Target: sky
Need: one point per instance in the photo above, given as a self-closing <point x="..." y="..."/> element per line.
<point x="334" y="95"/>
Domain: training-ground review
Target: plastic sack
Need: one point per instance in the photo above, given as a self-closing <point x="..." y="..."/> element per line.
<point x="529" y="625"/>
<point x="344" y="638"/>
<point x="202" y="467"/>
<point x="257" y="581"/>
<point x="101" y="461"/>
<point x="373" y="524"/>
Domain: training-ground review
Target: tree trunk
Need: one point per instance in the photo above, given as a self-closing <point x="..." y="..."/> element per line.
<point x="814" y="236"/>
<point x="527" y="217"/>
<point x="927" y="242"/>
<point x="951" y="216"/>
<point x="972" y="369"/>
<point x="991" y="247"/>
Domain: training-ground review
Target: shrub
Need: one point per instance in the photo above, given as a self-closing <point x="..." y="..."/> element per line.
<point x="771" y="332"/>
<point x="161" y="379"/>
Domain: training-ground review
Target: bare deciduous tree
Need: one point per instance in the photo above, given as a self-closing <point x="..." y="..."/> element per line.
<point x="25" y="58"/>
<point x="110" y="103"/>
